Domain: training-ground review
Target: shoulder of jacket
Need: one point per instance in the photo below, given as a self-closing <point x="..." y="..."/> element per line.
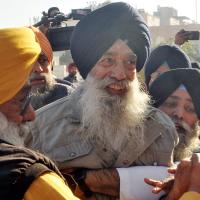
<point x="53" y="108"/>
<point x="162" y="123"/>
<point x="58" y="110"/>
<point x="63" y="86"/>
<point x="160" y="117"/>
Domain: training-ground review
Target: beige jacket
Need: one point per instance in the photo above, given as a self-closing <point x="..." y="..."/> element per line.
<point x="57" y="133"/>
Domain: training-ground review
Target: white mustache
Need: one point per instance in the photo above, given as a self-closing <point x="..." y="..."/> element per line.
<point x="108" y="81"/>
<point x="38" y="76"/>
<point x="182" y="124"/>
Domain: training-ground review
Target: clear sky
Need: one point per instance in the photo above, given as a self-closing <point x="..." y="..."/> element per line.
<point x="20" y="12"/>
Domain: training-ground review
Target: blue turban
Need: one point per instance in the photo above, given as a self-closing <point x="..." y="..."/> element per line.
<point x="171" y="54"/>
<point x="97" y="32"/>
<point x="188" y="77"/>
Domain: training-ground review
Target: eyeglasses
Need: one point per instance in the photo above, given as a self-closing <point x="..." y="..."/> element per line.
<point x="26" y="103"/>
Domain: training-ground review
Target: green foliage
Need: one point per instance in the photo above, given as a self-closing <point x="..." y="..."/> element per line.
<point x="191" y="48"/>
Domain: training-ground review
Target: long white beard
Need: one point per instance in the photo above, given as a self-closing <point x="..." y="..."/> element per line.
<point x="188" y="141"/>
<point x="113" y="118"/>
<point x="10" y="132"/>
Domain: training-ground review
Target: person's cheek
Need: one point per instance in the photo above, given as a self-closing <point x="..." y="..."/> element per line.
<point x="15" y="117"/>
<point x="14" y="113"/>
<point x="29" y="114"/>
<point x="100" y="72"/>
<point x="131" y="75"/>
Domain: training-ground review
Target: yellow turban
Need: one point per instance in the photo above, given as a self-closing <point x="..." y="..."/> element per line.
<point x="44" y="44"/>
<point x="18" y="52"/>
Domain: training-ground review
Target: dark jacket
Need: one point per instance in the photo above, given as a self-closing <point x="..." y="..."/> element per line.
<point x="71" y="78"/>
<point x="58" y="91"/>
<point x="19" y="167"/>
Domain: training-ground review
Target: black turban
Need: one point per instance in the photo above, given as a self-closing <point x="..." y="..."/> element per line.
<point x="97" y="31"/>
<point x="169" y="81"/>
<point x="171" y="54"/>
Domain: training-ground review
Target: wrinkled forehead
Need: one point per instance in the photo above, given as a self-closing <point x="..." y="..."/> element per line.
<point x="120" y="47"/>
<point x="181" y="93"/>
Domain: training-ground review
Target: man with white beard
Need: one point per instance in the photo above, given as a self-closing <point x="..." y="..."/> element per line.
<point x="24" y="174"/>
<point x="179" y="99"/>
<point x="107" y="122"/>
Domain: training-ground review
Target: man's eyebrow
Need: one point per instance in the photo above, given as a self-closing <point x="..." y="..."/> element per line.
<point x="42" y="55"/>
<point x="134" y="56"/>
<point x="110" y="53"/>
<point x="174" y="97"/>
<point x="189" y="100"/>
<point x="178" y="98"/>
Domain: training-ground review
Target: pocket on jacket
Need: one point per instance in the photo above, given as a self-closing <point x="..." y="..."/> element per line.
<point x="71" y="151"/>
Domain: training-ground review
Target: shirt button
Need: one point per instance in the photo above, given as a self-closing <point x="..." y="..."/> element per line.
<point x="72" y="154"/>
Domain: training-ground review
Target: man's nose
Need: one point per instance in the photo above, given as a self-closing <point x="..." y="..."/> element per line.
<point x="37" y="68"/>
<point x="119" y="72"/>
<point x="29" y="115"/>
<point x="178" y="113"/>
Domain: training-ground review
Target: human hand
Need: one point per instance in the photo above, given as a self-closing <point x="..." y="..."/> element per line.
<point x="195" y="171"/>
<point x="181" y="37"/>
<point x="158" y="186"/>
<point x="104" y="181"/>
<point x="44" y="29"/>
<point x="175" y="186"/>
<point x="181" y="180"/>
<point x="186" y="179"/>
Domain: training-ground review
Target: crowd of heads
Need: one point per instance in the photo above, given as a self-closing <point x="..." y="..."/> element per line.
<point x="111" y="80"/>
<point x="113" y="93"/>
<point x="108" y="46"/>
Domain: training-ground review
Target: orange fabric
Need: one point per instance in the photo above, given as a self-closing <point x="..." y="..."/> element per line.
<point x="49" y="186"/>
<point x="19" y="50"/>
<point x="190" y="196"/>
<point x="44" y="44"/>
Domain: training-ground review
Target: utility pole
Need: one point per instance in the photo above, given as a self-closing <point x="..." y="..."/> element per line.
<point x="196" y="11"/>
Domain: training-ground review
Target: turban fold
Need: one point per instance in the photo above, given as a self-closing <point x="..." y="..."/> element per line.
<point x="171" y="54"/>
<point x="19" y="51"/>
<point x="44" y="44"/>
<point x="169" y="81"/>
<point x="195" y="65"/>
<point x="97" y="32"/>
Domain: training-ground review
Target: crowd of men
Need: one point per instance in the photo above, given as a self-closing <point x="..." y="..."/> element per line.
<point x="81" y="137"/>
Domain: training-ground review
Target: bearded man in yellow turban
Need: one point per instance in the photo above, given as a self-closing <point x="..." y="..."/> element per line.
<point x="24" y="174"/>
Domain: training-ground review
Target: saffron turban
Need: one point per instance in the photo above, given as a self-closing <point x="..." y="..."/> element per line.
<point x="171" y="54"/>
<point x="18" y="52"/>
<point x="97" y="32"/>
<point x="44" y="44"/>
<point x="168" y="82"/>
